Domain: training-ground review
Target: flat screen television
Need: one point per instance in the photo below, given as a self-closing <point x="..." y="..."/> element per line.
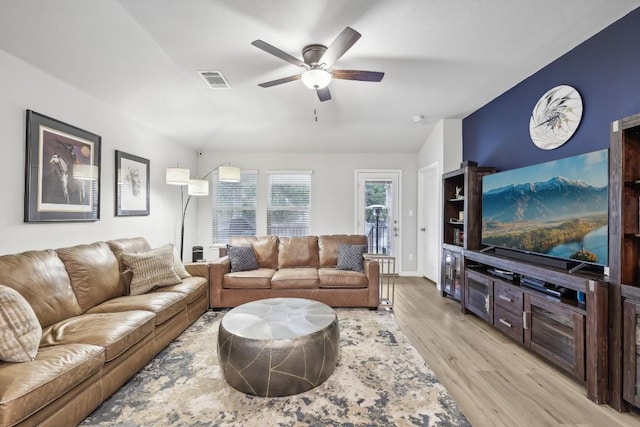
<point x="557" y="209"/>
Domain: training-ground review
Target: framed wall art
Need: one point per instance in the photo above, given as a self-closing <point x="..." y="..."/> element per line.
<point x="132" y="185"/>
<point x="555" y="117"/>
<point x="62" y="172"/>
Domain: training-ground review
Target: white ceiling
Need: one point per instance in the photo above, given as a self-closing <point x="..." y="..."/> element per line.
<point x="442" y="59"/>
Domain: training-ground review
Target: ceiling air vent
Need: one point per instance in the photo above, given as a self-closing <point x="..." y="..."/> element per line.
<point x="214" y="79"/>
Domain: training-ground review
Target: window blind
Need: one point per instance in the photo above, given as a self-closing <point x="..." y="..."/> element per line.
<point x="234" y="207"/>
<point x="289" y="209"/>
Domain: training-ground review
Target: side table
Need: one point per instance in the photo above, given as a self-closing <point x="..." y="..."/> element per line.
<point x="387" y="278"/>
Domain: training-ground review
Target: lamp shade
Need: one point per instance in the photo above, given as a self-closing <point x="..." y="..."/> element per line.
<point x="198" y="187"/>
<point x="228" y="174"/>
<point x="86" y="172"/>
<point x="316" y="78"/>
<point x="177" y="176"/>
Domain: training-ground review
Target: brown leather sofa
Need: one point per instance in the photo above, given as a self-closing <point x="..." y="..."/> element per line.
<point x="94" y="335"/>
<point x="295" y="267"/>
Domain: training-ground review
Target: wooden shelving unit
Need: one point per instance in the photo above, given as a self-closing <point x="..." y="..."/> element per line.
<point x="624" y="255"/>
<point x="462" y="193"/>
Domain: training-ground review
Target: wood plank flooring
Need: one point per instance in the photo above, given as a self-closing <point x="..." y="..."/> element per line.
<point x="495" y="381"/>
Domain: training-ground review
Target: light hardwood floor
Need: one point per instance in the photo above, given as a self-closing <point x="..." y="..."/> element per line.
<point x="495" y="381"/>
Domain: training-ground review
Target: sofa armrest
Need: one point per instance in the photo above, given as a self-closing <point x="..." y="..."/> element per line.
<point x="217" y="270"/>
<point x="372" y="271"/>
<point x="200" y="269"/>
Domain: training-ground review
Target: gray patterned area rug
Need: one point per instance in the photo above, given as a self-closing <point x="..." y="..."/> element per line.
<point x="380" y="380"/>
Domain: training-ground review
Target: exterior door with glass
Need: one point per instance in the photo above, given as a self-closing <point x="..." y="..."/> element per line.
<point x="378" y="210"/>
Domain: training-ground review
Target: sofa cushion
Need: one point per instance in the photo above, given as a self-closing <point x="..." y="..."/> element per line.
<point x="42" y="279"/>
<point x="27" y="387"/>
<point x="295" y="278"/>
<point x="116" y="332"/>
<point x="178" y="266"/>
<point x="254" y="279"/>
<point x="128" y="245"/>
<point x="150" y="269"/>
<point x="350" y="257"/>
<point x="298" y="252"/>
<point x="242" y="258"/>
<point x="333" y="278"/>
<point x="94" y="273"/>
<point x="20" y="330"/>
<point x="264" y="247"/>
<point x="164" y="305"/>
<point x="328" y="246"/>
<point x="192" y="287"/>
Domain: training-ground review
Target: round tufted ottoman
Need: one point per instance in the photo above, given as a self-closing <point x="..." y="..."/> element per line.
<point x="278" y="346"/>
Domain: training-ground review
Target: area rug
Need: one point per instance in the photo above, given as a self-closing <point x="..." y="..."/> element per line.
<point x="380" y="380"/>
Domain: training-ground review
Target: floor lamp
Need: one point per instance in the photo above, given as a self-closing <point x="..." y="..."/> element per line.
<point x="197" y="187"/>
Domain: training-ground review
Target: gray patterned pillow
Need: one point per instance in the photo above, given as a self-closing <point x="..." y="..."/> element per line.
<point x="20" y="329"/>
<point x="150" y="269"/>
<point x="350" y="257"/>
<point x="242" y="258"/>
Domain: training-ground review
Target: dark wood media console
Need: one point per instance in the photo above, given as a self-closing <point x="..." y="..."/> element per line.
<point x="571" y="335"/>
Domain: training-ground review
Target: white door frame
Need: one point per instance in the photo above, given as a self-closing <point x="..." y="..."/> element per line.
<point x="420" y="219"/>
<point x="382" y="174"/>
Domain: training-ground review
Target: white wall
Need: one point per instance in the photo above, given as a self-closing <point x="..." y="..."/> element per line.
<point x="24" y="87"/>
<point x="333" y="190"/>
<point x="444" y="147"/>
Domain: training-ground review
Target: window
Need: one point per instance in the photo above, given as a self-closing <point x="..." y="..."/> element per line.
<point x="289" y="209"/>
<point x="234" y="207"/>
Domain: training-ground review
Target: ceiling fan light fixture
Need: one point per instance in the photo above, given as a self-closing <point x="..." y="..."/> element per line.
<point x="316" y="78"/>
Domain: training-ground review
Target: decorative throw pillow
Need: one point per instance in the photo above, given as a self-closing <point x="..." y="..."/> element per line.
<point x="350" y="257"/>
<point x="20" y="330"/>
<point x="150" y="269"/>
<point x="242" y="258"/>
<point x="178" y="267"/>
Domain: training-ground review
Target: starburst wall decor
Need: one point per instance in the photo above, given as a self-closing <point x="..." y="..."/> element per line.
<point x="555" y="117"/>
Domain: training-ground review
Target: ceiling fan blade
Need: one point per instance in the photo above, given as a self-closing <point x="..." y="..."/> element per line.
<point x="280" y="81"/>
<point x="279" y="53"/>
<point x="365" y="76"/>
<point x="340" y="45"/>
<point x="323" y="94"/>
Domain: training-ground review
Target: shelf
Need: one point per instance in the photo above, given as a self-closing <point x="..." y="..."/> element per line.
<point x="459" y="199"/>
<point x="456" y="222"/>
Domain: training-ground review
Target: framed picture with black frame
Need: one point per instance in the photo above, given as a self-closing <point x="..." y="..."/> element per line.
<point x="133" y="186"/>
<point x="62" y="171"/>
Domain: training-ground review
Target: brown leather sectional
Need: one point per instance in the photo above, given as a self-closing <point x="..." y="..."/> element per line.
<point x="95" y="336"/>
<point x="295" y="267"/>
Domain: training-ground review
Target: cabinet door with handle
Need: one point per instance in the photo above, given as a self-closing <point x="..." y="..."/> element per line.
<point x="451" y="274"/>
<point x="555" y="332"/>
<point x="478" y="295"/>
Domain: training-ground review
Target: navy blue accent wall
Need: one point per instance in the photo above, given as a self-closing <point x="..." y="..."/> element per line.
<point x="605" y="70"/>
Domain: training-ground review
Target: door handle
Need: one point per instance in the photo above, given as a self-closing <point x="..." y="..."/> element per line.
<point x="423" y="229"/>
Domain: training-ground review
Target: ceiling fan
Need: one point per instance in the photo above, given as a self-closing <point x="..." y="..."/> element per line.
<point x="318" y="60"/>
